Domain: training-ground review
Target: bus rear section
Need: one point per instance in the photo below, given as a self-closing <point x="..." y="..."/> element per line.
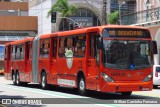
<point x="7" y="62"/>
<point x="18" y="61"/>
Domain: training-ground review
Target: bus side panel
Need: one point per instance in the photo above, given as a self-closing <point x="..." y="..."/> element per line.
<point x="44" y="65"/>
<point x="28" y="60"/>
<point x="7" y="63"/>
<point x="19" y="65"/>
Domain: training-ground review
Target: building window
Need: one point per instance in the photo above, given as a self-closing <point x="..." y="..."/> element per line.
<point x="128" y="7"/>
<point x="82" y="16"/>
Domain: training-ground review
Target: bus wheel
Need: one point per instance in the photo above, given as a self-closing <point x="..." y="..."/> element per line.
<point x="82" y="86"/>
<point x="17" y="79"/>
<point x="14" y="78"/>
<point x="126" y="93"/>
<point x="44" y="81"/>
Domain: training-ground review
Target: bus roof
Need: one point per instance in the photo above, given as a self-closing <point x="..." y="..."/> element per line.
<point x="74" y="32"/>
<point x="92" y="29"/>
<point x="48" y="35"/>
<point x="20" y="41"/>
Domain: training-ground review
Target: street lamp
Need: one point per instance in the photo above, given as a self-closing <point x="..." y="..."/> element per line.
<point x="120" y="11"/>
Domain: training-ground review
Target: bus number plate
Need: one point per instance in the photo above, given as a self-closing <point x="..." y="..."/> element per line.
<point x="118" y="74"/>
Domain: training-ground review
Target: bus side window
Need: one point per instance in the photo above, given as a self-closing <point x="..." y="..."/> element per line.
<point x="13" y="52"/>
<point x="61" y="50"/>
<point x="69" y="47"/>
<point x="22" y="51"/>
<point x="80" y="46"/>
<point x="17" y="52"/>
<point x="44" y="48"/>
<point x="54" y="47"/>
<point x="92" y="46"/>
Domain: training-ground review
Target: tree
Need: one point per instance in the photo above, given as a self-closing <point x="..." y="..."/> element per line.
<point x="63" y="7"/>
<point x="113" y="18"/>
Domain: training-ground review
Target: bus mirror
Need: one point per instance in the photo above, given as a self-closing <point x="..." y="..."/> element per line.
<point x="155" y="51"/>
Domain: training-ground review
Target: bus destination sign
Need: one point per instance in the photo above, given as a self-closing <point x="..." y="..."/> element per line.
<point x="117" y="32"/>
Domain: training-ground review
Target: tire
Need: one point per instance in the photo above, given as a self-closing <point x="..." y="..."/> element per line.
<point x="81" y="86"/>
<point x="44" y="84"/>
<point x="17" y="79"/>
<point x="14" y="78"/>
<point x="126" y="93"/>
<point x="155" y="86"/>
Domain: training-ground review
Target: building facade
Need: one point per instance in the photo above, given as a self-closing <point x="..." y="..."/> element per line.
<point x="89" y="13"/>
<point x="15" y="24"/>
<point x="133" y="12"/>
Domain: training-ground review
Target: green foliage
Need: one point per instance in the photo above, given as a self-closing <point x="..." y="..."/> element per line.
<point x="63" y="7"/>
<point x="113" y="18"/>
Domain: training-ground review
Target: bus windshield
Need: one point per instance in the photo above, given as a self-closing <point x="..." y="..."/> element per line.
<point x="126" y="54"/>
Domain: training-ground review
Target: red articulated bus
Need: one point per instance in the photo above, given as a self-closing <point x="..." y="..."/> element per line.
<point x="108" y="58"/>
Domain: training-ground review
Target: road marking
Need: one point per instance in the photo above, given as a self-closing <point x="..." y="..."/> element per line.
<point x="60" y="95"/>
<point x="147" y="94"/>
<point x="2" y="105"/>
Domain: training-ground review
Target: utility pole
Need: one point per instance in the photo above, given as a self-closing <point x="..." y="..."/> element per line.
<point x="104" y="14"/>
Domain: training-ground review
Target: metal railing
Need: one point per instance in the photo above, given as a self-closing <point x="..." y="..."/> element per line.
<point x="141" y="17"/>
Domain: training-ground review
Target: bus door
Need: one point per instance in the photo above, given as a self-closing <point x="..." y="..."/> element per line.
<point x="27" y="62"/>
<point x="65" y="66"/>
<point x="53" y="61"/>
<point x="92" y="65"/>
<point x="7" y="65"/>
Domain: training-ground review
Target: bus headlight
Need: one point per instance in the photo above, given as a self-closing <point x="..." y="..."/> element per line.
<point x="148" y="78"/>
<point x="106" y="77"/>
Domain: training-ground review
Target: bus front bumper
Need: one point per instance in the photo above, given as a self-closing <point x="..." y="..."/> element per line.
<point x="127" y="87"/>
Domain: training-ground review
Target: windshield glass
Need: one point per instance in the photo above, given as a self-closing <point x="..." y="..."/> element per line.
<point x="126" y="54"/>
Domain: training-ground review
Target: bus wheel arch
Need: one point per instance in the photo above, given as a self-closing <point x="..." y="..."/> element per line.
<point x="44" y="84"/>
<point x="81" y="83"/>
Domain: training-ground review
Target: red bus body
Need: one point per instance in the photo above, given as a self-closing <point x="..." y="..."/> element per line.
<point x="57" y="56"/>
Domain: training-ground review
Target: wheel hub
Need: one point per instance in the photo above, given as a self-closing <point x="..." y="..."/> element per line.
<point x="43" y="81"/>
<point x="81" y="85"/>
